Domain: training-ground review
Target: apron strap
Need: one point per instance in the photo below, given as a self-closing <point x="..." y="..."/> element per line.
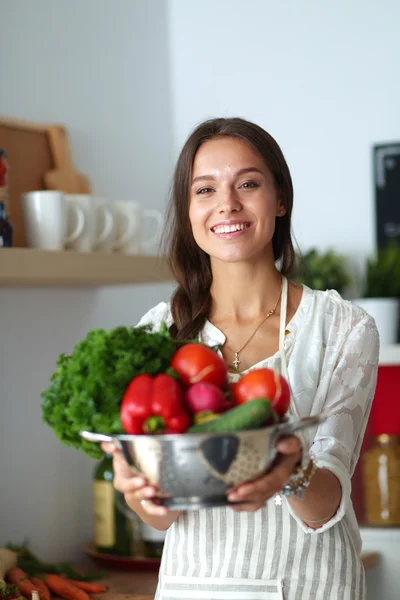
<point x="282" y="330"/>
<point x="282" y="327"/>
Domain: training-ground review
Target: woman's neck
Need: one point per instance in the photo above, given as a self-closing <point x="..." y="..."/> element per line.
<point x="243" y="291"/>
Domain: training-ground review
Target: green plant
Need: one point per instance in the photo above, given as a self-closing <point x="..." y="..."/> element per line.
<point x="322" y="270"/>
<point x="382" y="277"/>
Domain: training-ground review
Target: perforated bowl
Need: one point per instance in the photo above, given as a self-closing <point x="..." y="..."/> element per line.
<point x="196" y="470"/>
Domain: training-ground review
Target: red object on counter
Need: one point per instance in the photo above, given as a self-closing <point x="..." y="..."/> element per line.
<point x="385" y="412"/>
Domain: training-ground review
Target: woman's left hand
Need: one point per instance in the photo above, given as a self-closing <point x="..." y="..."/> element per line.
<point x="255" y="494"/>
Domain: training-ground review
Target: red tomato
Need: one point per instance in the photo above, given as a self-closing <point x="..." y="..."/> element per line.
<point x="263" y="383"/>
<point x="196" y="362"/>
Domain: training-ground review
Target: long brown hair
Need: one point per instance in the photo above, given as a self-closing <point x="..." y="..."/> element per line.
<point x="190" y="265"/>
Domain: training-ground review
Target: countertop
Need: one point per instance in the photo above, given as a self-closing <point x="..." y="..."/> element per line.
<point x="134" y="585"/>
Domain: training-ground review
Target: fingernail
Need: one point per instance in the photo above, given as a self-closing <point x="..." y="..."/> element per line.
<point x="137" y="481"/>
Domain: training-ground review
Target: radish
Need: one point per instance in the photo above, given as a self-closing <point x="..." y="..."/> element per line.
<point x="202" y="396"/>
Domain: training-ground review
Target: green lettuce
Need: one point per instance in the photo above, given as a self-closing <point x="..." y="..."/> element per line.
<point x="87" y="387"/>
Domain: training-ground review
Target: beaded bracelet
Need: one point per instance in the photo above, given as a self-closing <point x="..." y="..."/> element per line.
<point x="299" y="480"/>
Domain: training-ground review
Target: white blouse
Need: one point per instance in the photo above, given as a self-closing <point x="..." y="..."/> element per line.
<point x="332" y="350"/>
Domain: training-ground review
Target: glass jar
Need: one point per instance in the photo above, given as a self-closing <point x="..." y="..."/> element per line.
<point x="381" y="481"/>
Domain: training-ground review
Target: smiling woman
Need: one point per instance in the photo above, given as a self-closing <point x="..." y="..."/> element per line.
<point x="230" y="249"/>
<point x="230" y="172"/>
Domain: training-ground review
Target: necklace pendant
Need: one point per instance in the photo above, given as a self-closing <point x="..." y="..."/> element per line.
<point x="236" y="362"/>
<point x="278" y="500"/>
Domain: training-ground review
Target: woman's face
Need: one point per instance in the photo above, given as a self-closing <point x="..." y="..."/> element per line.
<point x="233" y="201"/>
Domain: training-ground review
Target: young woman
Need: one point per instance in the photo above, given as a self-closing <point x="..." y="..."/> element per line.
<point x="230" y="250"/>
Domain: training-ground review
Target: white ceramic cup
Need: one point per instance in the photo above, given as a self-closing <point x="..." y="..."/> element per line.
<point x="99" y="222"/>
<point x="130" y="222"/>
<point x="105" y="243"/>
<point x="45" y="217"/>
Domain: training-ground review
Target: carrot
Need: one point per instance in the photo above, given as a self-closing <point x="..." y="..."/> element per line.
<point x="89" y="586"/>
<point x="64" y="588"/>
<point x="19" y="578"/>
<point x="42" y="588"/>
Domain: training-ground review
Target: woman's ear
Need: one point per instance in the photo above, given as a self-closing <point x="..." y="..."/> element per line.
<point x="280" y="210"/>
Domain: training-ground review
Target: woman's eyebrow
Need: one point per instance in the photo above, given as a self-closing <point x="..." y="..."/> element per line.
<point x="237" y="174"/>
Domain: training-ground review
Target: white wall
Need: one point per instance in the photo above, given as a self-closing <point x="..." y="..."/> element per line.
<point x="319" y="76"/>
<point x="101" y="68"/>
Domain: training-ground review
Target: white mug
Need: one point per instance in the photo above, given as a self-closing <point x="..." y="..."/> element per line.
<point x="99" y="222"/>
<point x="105" y="243"/>
<point x="45" y="217"/>
<point x="130" y="217"/>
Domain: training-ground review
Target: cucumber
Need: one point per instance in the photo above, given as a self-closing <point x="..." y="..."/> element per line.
<point x="250" y="415"/>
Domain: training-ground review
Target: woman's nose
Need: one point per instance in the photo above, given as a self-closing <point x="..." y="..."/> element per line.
<point x="228" y="201"/>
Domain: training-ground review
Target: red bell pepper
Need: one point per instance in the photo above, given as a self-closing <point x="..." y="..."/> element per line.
<point x="154" y="405"/>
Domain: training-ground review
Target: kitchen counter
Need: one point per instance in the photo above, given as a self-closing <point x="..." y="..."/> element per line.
<point x="135" y="585"/>
<point x="129" y="585"/>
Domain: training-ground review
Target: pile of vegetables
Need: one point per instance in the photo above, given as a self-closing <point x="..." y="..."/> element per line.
<point x="195" y="397"/>
<point x="137" y="381"/>
<point x="22" y="574"/>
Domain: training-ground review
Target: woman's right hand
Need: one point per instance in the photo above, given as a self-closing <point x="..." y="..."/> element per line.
<point x="137" y="490"/>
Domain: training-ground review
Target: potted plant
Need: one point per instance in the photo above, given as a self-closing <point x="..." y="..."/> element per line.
<point x="381" y="292"/>
<point x="322" y="270"/>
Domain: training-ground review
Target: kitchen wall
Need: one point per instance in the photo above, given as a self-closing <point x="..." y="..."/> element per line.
<point x="319" y="76"/>
<point x="130" y="79"/>
<point x="102" y="69"/>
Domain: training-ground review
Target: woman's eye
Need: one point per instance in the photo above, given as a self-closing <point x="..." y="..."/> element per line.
<point x="249" y="184"/>
<point x="204" y="191"/>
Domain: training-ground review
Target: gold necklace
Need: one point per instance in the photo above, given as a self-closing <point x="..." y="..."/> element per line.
<point x="237" y="360"/>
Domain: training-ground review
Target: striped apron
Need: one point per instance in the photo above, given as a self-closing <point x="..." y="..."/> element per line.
<point x="218" y="554"/>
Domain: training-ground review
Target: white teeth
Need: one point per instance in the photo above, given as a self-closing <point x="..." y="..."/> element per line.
<point x="230" y="228"/>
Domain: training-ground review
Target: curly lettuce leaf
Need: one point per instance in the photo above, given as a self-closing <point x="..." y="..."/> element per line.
<point x="86" y="389"/>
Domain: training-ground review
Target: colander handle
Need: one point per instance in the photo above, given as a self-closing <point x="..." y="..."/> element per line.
<point x="298" y="425"/>
<point x="89" y="436"/>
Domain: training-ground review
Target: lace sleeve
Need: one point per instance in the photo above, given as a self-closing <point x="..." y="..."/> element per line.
<point x="350" y="393"/>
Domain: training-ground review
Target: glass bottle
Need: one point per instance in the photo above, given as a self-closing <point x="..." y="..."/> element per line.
<point x="6" y="228"/>
<point x="381" y="477"/>
<point x="153" y="541"/>
<point x="113" y="529"/>
<point x="3" y="170"/>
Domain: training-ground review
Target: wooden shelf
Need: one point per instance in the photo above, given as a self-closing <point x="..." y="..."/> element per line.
<point x="25" y="267"/>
